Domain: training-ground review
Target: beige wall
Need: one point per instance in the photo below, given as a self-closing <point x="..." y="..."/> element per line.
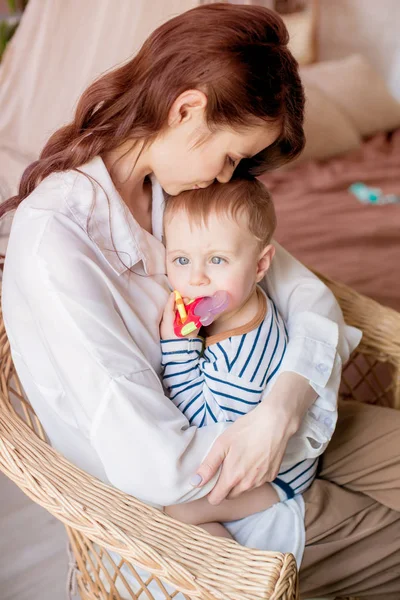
<point x="371" y="27"/>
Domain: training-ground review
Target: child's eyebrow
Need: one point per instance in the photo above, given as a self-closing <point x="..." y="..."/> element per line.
<point x="220" y="251"/>
<point x="176" y="251"/>
<point x="211" y="251"/>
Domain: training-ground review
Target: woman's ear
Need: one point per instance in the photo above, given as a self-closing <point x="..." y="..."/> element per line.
<point x="264" y="261"/>
<point x="187" y="105"/>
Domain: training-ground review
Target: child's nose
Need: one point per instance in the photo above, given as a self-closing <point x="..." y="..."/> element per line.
<point x="198" y="277"/>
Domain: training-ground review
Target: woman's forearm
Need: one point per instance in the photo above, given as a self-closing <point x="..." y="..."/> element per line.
<point x="289" y="400"/>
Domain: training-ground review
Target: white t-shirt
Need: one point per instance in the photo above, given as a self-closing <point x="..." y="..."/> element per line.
<point x="84" y="335"/>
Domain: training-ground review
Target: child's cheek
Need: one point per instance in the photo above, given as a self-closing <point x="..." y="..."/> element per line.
<point x="178" y="281"/>
<point x="233" y="287"/>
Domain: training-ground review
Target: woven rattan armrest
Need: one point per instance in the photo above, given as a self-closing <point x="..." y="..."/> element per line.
<point x="196" y="563"/>
<point x="380" y="326"/>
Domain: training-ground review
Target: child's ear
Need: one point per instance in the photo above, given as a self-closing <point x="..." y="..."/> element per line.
<point x="264" y="261"/>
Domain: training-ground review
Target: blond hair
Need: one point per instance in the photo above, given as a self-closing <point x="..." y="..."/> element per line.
<point x="240" y="196"/>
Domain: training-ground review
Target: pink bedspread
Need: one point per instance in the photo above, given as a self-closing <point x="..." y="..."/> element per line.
<point x="331" y="231"/>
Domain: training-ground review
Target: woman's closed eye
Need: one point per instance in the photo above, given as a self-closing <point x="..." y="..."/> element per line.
<point x="231" y="161"/>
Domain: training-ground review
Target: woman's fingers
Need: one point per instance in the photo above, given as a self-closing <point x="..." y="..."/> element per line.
<point x="209" y="466"/>
<point x="223" y="487"/>
<point x="250" y="452"/>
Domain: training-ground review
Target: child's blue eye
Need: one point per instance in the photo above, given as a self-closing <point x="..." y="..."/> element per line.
<point x="182" y="260"/>
<point x="217" y="260"/>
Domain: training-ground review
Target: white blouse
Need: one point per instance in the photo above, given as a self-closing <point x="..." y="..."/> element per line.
<point x="84" y="335"/>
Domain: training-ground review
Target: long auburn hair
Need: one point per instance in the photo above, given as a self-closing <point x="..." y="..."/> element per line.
<point x="237" y="54"/>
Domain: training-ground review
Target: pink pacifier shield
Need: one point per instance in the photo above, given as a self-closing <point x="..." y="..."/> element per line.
<point x="211" y="306"/>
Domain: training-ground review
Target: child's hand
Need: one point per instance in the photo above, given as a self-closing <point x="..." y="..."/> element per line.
<point x="167" y="320"/>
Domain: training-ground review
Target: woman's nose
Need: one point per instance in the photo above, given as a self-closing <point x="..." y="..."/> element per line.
<point x="226" y="174"/>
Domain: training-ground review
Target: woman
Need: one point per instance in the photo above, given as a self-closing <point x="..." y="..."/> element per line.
<point x="212" y="92"/>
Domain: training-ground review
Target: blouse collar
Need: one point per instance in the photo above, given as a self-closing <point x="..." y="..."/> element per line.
<point x="109" y="223"/>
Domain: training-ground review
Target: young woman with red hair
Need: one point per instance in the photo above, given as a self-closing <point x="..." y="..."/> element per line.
<point x="212" y="93"/>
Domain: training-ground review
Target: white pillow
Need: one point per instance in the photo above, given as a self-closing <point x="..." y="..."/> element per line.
<point x="328" y="130"/>
<point x="358" y="91"/>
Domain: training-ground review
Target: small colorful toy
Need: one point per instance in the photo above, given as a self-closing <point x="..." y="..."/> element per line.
<point x="368" y="195"/>
<point x="198" y="312"/>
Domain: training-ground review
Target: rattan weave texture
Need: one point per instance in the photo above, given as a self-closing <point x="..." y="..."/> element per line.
<point x="126" y="549"/>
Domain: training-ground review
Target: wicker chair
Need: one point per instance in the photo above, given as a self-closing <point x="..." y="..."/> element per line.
<point x="114" y="537"/>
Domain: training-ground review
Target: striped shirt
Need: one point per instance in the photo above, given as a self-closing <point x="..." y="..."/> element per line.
<point x="229" y="376"/>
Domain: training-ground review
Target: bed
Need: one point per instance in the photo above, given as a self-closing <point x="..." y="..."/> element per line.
<point x="331" y="231"/>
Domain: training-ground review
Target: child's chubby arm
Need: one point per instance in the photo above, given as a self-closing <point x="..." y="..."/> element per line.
<point x="201" y="511"/>
<point x="180" y="361"/>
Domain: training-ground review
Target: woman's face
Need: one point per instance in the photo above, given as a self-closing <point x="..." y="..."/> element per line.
<point x="188" y="155"/>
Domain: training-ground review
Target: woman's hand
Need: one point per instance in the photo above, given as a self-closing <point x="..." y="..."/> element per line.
<point x="252" y="448"/>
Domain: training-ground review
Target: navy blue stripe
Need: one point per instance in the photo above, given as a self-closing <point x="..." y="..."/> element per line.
<point x="278" y="365"/>
<point x="185" y="390"/>
<point x="224" y="354"/>
<point x="216" y="359"/>
<point x="233" y="397"/>
<point x="228" y="409"/>
<point x="285" y="328"/>
<point x="177" y="385"/>
<point x="291" y="468"/>
<point x="238" y="351"/>
<point x="181" y="362"/>
<point x="303" y="472"/>
<point x="263" y="352"/>
<point x="211" y="413"/>
<point x="179" y="340"/>
<point x="279" y="318"/>
<point x="274" y="350"/>
<point x="285" y="487"/>
<point x="252" y="349"/>
<point x="181" y="352"/>
<point x="203" y="419"/>
<point x="180" y="373"/>
<point x="189" y="404"/>
<point x="196" y="413"/>
<point x="305" y="482"/>
<point x="239" y="387"/>
<point x="278" y="321"/>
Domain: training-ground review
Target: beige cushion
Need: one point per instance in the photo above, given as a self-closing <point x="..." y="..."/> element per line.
<point x="358" y="91"/>
<point x="328" y="130"/>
